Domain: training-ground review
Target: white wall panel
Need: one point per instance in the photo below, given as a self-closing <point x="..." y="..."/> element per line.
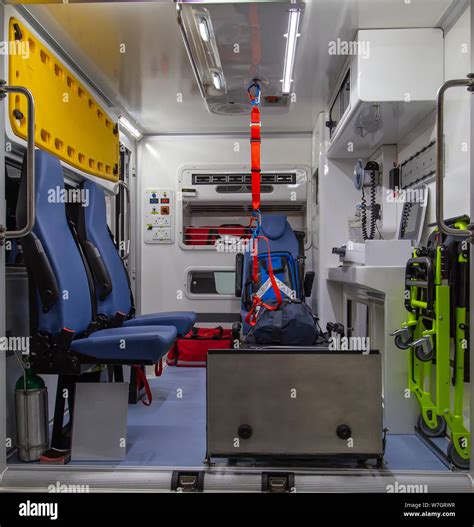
<point x="163" y="267"/>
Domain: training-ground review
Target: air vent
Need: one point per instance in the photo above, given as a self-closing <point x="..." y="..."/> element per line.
<point x="222" y="179"/>
<point x="236" y="178"/>
<point x="289" y="179"/>
<point x="230" y="189"/>
<point x="229" y="108"/>
<point x="239" y="189"/>
<point x="231" y="209"/>
<point x="268" y="178"/>
<point x="201" y="179"/>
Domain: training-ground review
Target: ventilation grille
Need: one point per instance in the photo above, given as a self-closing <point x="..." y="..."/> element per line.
<point x="242" y="189"/>
<point x="229" y="108"/>
<point x="222" y="179"/>
<point x="231" y="209"/>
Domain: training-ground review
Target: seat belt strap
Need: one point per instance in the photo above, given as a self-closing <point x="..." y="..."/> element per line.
<point x="159" y="368"/>
<point x="257" y="302"/>
<point x="142" y="382"/>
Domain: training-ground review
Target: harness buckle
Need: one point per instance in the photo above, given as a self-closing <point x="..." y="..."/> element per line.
<point x="117" y="320"/>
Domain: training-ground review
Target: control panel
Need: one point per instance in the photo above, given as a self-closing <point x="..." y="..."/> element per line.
<point x="158" y="215"/>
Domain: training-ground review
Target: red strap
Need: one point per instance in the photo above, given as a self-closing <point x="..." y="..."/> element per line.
<point x="142" y="382"/>
<point x="254" y="249"/>
<point x="251" y="317"/>
<point x="255" y="141"/>
<point x="159" y="368"/>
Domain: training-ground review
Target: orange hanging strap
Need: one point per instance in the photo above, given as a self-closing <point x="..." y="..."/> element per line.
<point x="255" y="141"/>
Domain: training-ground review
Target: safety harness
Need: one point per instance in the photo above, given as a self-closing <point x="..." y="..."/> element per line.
<point x="255" y="222"/>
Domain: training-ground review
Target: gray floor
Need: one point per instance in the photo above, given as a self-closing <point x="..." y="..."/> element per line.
<point x="172" y="431"/>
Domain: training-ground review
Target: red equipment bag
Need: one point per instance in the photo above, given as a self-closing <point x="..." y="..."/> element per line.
<point x="191" y="351"/>
<point x="200" y="235"/>
<point x="208" y="235"/>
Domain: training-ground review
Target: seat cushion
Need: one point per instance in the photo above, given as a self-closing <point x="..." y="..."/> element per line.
<point x="183" y="321"/>
<point x="141" y="345"/>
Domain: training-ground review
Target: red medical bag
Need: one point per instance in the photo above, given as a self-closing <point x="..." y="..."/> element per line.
<point x="208" y="235"/>
<point x="191" y="351"/>
<point x="200" y="235"/>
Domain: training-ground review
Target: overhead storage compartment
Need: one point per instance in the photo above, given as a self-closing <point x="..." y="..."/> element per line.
<point x="70" y="123"/>
<point x="388" y="85"/>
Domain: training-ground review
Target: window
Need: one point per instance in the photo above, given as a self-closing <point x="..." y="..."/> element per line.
<point x="212" y="282"/>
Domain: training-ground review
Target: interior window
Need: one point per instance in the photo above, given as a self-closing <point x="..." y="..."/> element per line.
<point x="212" y="282"/>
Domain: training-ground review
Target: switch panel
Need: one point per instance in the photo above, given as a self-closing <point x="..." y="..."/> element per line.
<point x="158" y="215"/>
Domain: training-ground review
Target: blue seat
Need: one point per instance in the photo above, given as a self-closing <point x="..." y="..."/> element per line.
<point x="144" y="342"/>
<point x="64" y="318"/>
<point x="113" y="293"/>
<point x="286" y="256"/>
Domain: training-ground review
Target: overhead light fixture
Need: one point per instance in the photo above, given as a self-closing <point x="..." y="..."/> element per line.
<point x="216" y="80"/>
<point x="128" y="126"/>
<point x="291" y="39"/>
<point x="204" y="29"/>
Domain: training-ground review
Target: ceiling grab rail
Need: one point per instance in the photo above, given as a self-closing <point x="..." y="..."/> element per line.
<point x="449" y="231"/>
<point x="122" y="184"/>
<point x="30" y="164"/>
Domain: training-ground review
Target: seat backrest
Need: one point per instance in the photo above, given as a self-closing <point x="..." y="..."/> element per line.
<point x="52" y="247"/>
<point x="284" y="247"/>
<point x="92" y="227"/>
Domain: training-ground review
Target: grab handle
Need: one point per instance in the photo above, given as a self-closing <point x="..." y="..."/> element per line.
<point x="122" y="184"/>
<point x="449" y="231"/>
<point x="30" y="164"/>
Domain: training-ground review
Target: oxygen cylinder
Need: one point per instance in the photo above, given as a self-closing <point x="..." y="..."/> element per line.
<point x="32" y="423"/>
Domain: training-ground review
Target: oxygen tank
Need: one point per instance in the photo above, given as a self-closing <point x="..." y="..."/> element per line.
<point x="32" y="423"/>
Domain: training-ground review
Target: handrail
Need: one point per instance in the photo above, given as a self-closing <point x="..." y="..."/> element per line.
<point x="30" y="164"/>
<point x="449" y="231"/>
<point x="123" y="185"/>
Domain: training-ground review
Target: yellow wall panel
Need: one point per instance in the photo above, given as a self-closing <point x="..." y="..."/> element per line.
<point x="69" y="122"/>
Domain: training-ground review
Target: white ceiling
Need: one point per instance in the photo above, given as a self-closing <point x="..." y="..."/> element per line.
<point x="154" y="69"/>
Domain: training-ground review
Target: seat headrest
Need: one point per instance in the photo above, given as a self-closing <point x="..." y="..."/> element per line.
<point x="52" y="235"/>
<point x="274" y="226"/>
<point x="49" y="183"/>
<point x="96" y="211"/>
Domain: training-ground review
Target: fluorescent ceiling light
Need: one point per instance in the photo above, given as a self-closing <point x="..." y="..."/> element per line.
<point x="216" y="80"/>
<point x="291" y="38"/>
<point x="128" y="126"/>
<point x="204" y="29"/>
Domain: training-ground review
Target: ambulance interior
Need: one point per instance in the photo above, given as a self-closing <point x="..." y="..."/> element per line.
<point x="135" y="175"/>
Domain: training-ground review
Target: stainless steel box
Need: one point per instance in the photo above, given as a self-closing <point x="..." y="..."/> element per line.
<point x="294" y="402"/>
